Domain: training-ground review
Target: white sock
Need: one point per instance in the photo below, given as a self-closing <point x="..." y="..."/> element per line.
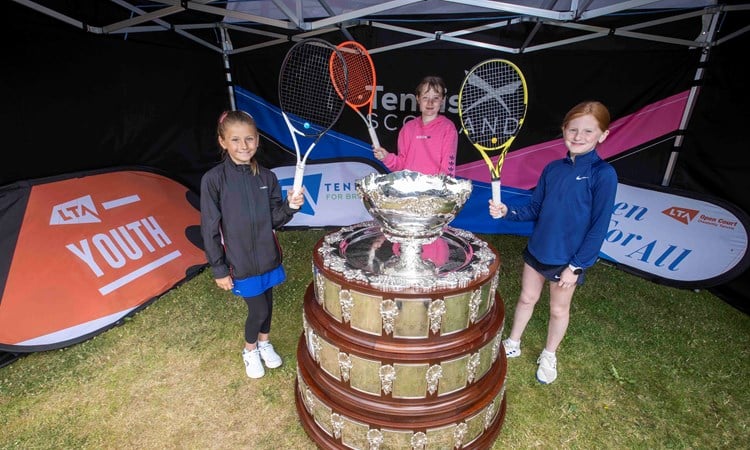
<point x="514" y="343"/>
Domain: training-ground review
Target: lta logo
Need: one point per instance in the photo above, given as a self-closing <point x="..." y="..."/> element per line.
<point x="80" y="210"/>
<point x="683" y="215"/>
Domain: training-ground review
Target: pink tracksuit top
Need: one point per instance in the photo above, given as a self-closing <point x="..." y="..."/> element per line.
<point x="429" y="149"/>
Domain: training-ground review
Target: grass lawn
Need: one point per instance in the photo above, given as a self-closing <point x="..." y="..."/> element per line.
<point x="642" y="366"/>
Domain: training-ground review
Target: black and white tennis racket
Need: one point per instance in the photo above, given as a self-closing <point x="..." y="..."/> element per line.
<point x="308" y="99"/>
<point x="492" y="106"/>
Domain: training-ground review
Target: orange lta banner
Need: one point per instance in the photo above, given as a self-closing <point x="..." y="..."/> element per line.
<point x="90" y="250"/>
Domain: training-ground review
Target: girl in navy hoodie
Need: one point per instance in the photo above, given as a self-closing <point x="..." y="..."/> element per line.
<point x="571" y="205"/>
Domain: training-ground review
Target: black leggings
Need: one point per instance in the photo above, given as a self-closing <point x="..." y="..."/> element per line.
<point x="259" y="311"/>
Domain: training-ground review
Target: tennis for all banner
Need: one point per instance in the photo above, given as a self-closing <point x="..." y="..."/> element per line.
<point x="677" y="238"/>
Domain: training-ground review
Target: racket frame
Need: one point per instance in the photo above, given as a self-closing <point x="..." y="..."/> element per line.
<point x="362" y="63"/>
<point x="471" y="78"/>
<point x="320" y="129"/>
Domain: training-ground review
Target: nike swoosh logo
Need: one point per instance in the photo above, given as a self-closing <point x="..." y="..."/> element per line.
<point x="557" y="277"/>
<point x="579" y="178"/>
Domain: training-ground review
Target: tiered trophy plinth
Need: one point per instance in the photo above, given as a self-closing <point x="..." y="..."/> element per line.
<point x="401" y="359"/>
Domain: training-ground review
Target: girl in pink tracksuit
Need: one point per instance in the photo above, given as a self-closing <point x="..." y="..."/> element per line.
<point x="426" y="144"/>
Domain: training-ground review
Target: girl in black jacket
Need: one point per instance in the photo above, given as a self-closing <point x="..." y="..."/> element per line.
<point x="241" y="206"/>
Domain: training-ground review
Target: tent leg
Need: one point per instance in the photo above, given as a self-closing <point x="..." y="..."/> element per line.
<point x="226" y="46"/>
<point x="710" y="22"/>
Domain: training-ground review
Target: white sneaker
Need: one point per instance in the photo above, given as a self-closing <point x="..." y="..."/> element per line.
<point x="269" y="356"/>
<point x="547" y="371"/>
<point x="253" y="366"/>
<point x="512" y="348"/>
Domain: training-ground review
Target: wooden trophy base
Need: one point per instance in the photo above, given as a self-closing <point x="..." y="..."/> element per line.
<point x="403" y="368"/>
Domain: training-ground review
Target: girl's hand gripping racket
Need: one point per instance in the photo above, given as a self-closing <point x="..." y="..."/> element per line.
<point x="308" y="99"/>
<point x="492" y="107"/>
<point x="360" y="72"/>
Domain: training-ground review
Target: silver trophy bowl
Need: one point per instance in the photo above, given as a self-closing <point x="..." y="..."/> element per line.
<point x="412" y="209"/>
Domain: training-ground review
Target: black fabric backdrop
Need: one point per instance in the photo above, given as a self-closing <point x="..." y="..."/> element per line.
<point x="73" y="101"/>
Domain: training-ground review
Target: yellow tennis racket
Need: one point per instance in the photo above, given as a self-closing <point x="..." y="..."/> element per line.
<point x="492" y="107"/>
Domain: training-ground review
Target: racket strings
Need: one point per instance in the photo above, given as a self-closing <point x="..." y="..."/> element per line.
<point x="361" y="73"/>
<point x="306" y="89"/>
<point x="493" y="104"/>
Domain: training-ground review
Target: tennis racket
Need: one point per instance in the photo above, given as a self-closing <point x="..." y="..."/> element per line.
<point x="492" y="106"/>
<point x="355" y="83"/>
<point x="308" y="99"/>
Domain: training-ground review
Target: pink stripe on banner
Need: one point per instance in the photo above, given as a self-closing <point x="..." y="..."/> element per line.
<point x="522" y="167"/>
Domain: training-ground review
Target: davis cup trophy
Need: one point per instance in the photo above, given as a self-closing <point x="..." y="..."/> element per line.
<point x="412" y="210"/>
<point x="400" y="349"/>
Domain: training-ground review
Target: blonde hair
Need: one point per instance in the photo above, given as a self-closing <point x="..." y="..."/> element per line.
<point x="228" y="118"/>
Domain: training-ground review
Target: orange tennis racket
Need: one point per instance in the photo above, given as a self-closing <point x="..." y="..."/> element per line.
<point x="356" y="85"/>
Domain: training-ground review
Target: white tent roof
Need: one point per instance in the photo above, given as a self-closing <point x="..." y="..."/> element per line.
<point x="246" y="25"/>
<point x="294" y="10"/>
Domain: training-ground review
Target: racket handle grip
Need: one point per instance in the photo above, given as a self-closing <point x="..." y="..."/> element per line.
<point x="496" y="190"/>
<point x="299" y="172"/>
<point x="373" y="137"/>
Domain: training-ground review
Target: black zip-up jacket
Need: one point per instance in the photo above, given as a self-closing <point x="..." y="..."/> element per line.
<point x="244" y="209"/>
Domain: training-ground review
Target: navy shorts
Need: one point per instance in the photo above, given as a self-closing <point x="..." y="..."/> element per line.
<point x="551" y="273"/>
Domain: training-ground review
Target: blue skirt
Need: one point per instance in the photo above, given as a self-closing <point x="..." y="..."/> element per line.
<point x="258" y="284"/>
